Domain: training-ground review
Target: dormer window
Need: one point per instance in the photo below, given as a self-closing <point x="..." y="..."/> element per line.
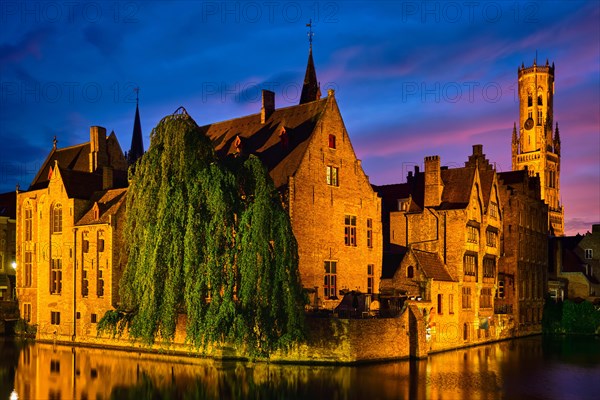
<point x="96" y="211"/>
<point x="403" y="205"/>
<point x="332" y="141"/>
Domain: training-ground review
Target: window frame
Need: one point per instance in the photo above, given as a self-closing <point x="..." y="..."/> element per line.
<point x="57" y="222"/>
<point x="330" y="279"/>
<point x="350" y="239"/>
<point x="332" y="175"/>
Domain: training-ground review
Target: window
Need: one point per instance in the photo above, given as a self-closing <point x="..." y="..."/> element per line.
<point x="472" y="234"/>
<point x="589" y="254"/>
<point x="332" y="176"/>
<point x="94" y="318"/>
<point x="55" y="318"/>
<point x="540" y="103"/>
<point x="369" y="233"/>
<point x="466" y="297"/>
<point x="331" y="141"/>
<point x="100" y="241"/>
<point x="27" y="312"/>
<point x="465" y="331"/>
<point x="539" y="121"/>
<point x="85" y="243"/>
<point x="529" y="101"/>
<point x="500" y="291"/>
<point x="402" y="205"/>
<point x="489" y="267"/>
<point x="494" y="210"/>
<point x="485" y="299"/>
<point x="370" y="273"/>
<point x="28" y="224"/>
<point x="451" y="303"/>
<point x="470" y="264"/>
<point x="439" y="303"/>
<point x="410" y="271"/>
<point x="350" y="230"/>
<point x="55" y="366"/>
<point x="55" y="276"/>
<point x="100" y="286"/>
<point x="330" y="285"/>
<point x="28" y="268"/>
<point x="57" y="219"/>
<point x="84" y="283"/>
<point x="491" y="238"/>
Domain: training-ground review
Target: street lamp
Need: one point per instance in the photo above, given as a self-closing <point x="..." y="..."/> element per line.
<point x="14" y="264"/>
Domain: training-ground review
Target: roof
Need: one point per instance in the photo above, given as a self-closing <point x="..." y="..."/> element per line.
<point x="391" y="263"/>
<point x="310" y="87"/>
<point x="137" y="142"/>
<point x="282" y="158"/>
<point x="572" y="263"/>
<point x="73" y="158"/>
<point x="108" y="203"/>
<point x="512" y="177"/>
<point x="8" y="205"/>
<point x="432" y="266"/>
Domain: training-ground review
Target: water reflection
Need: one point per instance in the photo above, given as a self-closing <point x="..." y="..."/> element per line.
<point x="527" y="367"/>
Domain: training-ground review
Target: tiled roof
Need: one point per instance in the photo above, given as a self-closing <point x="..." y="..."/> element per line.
<point x="109" y="202"/>
<point x="75" y="158"/>
<point x="8" y="205"/>
<point x="457" y="187"/>
<point x="432" y="266"/>
<point x="263" y="140"/>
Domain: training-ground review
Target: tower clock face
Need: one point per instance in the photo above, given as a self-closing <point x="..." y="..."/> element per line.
<point x="528" y="124"/>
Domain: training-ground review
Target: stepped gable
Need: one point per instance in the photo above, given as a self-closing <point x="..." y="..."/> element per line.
<point x="249" y="135"/>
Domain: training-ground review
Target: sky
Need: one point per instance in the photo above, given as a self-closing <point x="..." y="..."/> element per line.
<point x="412" y="78"/>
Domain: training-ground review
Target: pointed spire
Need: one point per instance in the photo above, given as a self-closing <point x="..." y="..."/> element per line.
<point x="557" y="140"/>
<point x="137" y="143"/>
<point x="514" y="134"/>
<point x="310" y="88"/>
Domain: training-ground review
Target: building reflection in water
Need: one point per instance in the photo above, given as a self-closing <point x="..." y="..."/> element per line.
<point x="62" y="372"/>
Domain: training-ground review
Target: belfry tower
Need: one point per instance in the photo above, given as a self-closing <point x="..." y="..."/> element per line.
<point x="535" y="146"/>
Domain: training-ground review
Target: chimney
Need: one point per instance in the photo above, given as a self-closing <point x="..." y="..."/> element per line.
<point x="98" y="152"/>
<point x="107" y="178"/>
<point x="477" y="149"/>
<point x="268" y="105"/>
<point x="433" y="182"/>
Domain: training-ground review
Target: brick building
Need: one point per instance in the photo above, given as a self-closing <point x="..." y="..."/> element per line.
<point x="335" y="213"/>
<point x="456" y="215"/>
<point x="522" y="270"/>
<point x="8" y="246"/>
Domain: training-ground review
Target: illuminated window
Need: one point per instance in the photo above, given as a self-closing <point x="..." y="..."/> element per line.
<point x="28" y="268"/>
<point x="350" y="230"/>
<point x="28" y="224"/>
<point x="466" y="297"/>
<point x="57" y="219"/>
<point x="470" y="264"/>
<point x="332" y="141"/>
<point x="489" y="267"/>
<point x="330" y="284"/>
<point x="332" y="176"/>
<point x="472" y="234"/>
<point x="369" y="233"/>
<point x="55" y="276"/>
<point x="370" y="278"/>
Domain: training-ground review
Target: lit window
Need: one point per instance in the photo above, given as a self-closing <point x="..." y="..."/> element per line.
<point x="57" y="219"/>
<point x="332" y="176"/>
<point x="330" y="284"/>
<point x="350" y="230"/>
<point x="369" y="233"/>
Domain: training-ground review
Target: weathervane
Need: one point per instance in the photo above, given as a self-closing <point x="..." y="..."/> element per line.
<point x="137" y="95"/>
<point x="310" y="32"/>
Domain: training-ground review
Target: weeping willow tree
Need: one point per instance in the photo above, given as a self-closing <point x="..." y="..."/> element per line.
<point x="210" y="239"/>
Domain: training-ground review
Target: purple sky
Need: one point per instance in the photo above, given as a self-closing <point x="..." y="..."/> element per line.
<point x="412" y="78"/>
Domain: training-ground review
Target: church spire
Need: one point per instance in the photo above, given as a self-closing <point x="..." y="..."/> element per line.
<point x="137" y="143"/>
<point x="557" y="141"/>
<point x="310" y="88"/>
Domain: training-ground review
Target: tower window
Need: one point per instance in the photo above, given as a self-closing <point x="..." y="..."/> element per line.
<point x="529" y="101"/>
<point x="540" y="101"/>
<point x="539" y="117"/>
<point x="57" y="219"/>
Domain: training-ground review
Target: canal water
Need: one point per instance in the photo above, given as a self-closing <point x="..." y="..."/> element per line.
<point x="527" y="368"/>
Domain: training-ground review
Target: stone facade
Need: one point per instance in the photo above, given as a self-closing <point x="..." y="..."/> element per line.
<point x="523" y="268"/>
<point x="533" y="146"/>
<point x="7" y="245"/>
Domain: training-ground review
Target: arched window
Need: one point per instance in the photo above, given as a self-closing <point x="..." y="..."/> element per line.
<point x="57" y="218"/>
<point x="410" y="271"/>
<point x="28" y="217"/>
<point x="540" y="103"/>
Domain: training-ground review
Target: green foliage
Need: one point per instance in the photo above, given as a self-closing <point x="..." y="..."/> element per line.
<point x="570" y="317"/>
<point x="210" y="239"/>
<point x="114" y="322"/>
<point x="23" y="328"/>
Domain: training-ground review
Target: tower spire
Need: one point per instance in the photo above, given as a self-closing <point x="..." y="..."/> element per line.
<point x="137" y="143"/>
<point x="310" y="88"/>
